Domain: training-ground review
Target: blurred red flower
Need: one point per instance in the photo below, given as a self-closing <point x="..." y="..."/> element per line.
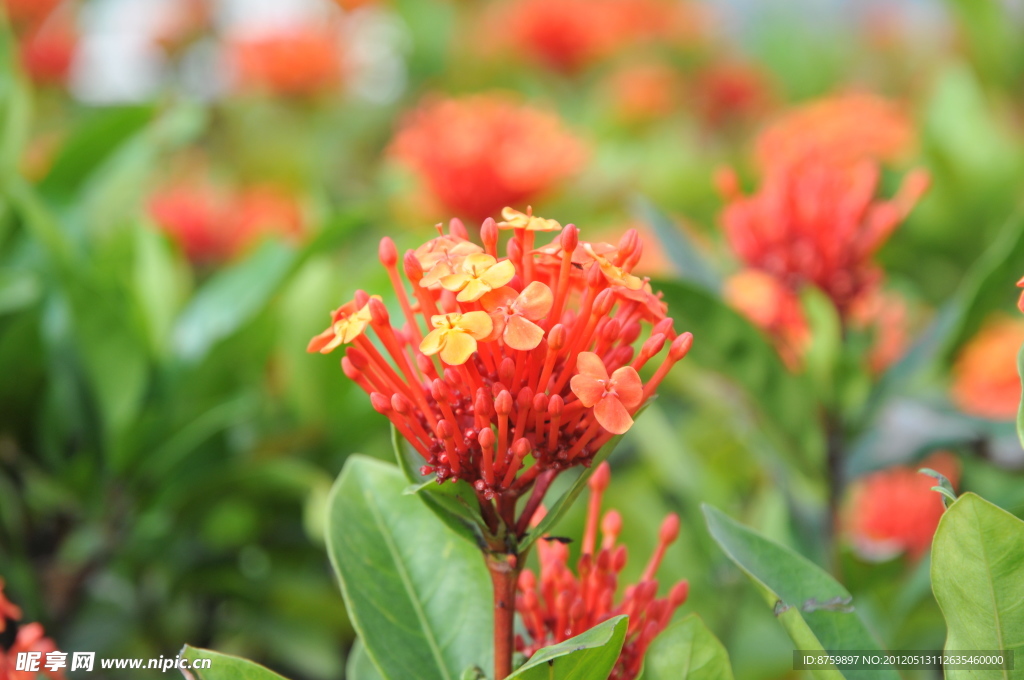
<point x="731" y="91"/>
<point x="816" y="222"/>
<point x="48" y="50"/>
<point x="477" y="154"/>
<point x="292" y="62"/>
<point x="985" y="380"/>
<point x="568" y="35"/>
<point x="893" y="511"/>
<point x="560" y="604"/>
<point x="213" y="226"/>
<point x="843" y="129"/>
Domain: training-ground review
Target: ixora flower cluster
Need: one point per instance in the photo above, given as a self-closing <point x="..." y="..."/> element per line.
<point x="562" y="604"/>
<point x="29" y="638"/>
<point x="508" y="370"/>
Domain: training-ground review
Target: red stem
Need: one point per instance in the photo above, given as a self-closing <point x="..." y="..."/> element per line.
<point x="504" y="576"/>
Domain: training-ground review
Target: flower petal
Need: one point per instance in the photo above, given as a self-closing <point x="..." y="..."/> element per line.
<point x="323" y="343"/>
<point x="455" y="282"/>
<point x="590" y="364"/>
<point x="590" y="390"/>
<point x="612" y="415"/>
<point x="458" y="347"/>
<point x="473" y="291"/>
<point x="534" y="302"/>
<point x="433" y="342"/>
<point x="627" y="385"/>
<point x="499" y="274"/>
<point x="502" y="297"/>
<point x="477" y="324"/>
<point x="522" y="334"/>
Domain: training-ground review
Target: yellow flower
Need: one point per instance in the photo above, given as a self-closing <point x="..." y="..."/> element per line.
<point x="478" y="274"/>
<point x="517" y="220"/>
<point x="455" y="336"/>
<point x="440" y="257"/>
<point x="347" y="324"/>
<point x="614" y="274"/>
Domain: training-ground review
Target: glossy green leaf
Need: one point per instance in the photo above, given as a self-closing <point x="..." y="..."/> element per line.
<point x="224" y="667"/>
<point x="733" y="346"/>
<point x="454" y="503"/>
<point x="687" y="650"/>
<point x="816" y="611"/>
<point x="977" y="555"/>
<point x="588" y="656"/>
<point x="230" y="299"/>
<point x="689" y="262"/>
<point x="359" y="665"/>
<point x="418" y="595"/>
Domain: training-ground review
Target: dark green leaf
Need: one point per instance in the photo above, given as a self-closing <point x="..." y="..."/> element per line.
<point x="816" y="611"/>
<point x="977" y="555"/>
<point x="230" y="299"/>
<point x="419" y="596"/>
<point x="224" y="667"/>
<point x="589" y="656"/>
<point x="687" y="650"/>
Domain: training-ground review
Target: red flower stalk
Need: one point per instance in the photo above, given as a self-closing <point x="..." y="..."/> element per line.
<point x="561" y="605"/>
<point x="985" y="380"/>
<point x="213" y="226"/>
<point x="30" y="638"/>
<point x="297" y="62"/>
<point x="844" y="129"/>
<point x="893" y="511"/>
<point x="504" y="371"/>
<point x="816" y="222"/>
<point x="477" y="154"/>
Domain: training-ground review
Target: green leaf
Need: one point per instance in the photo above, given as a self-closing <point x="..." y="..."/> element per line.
<point x="90" y="145"/>
<point x="418" y="595"/>
<point x="589" y="656"/>
<point x="230" y="299"/>
<point x="688" y="260"/>
<point x="730" y="344"/>
<point x="359" y="665"/>
<point x="687" y="650"/>
<point x="944" y="486"/>
<point x="815" y="610"/>
<point x="454" y="503"/>
<point x="224" y="667"/>
<point x="977" y="555"/>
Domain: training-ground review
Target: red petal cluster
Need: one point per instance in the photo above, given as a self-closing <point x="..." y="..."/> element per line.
<point x="560" y="604"/>
<point x="568" y="35"/>
<point x="213" y="226"/>
<point x="508" y="370"/>
<point x="47" y="45"/>
<point x="817" y="222"/>
<point x="30" y="638"/>
<point x="478" y="154"/>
